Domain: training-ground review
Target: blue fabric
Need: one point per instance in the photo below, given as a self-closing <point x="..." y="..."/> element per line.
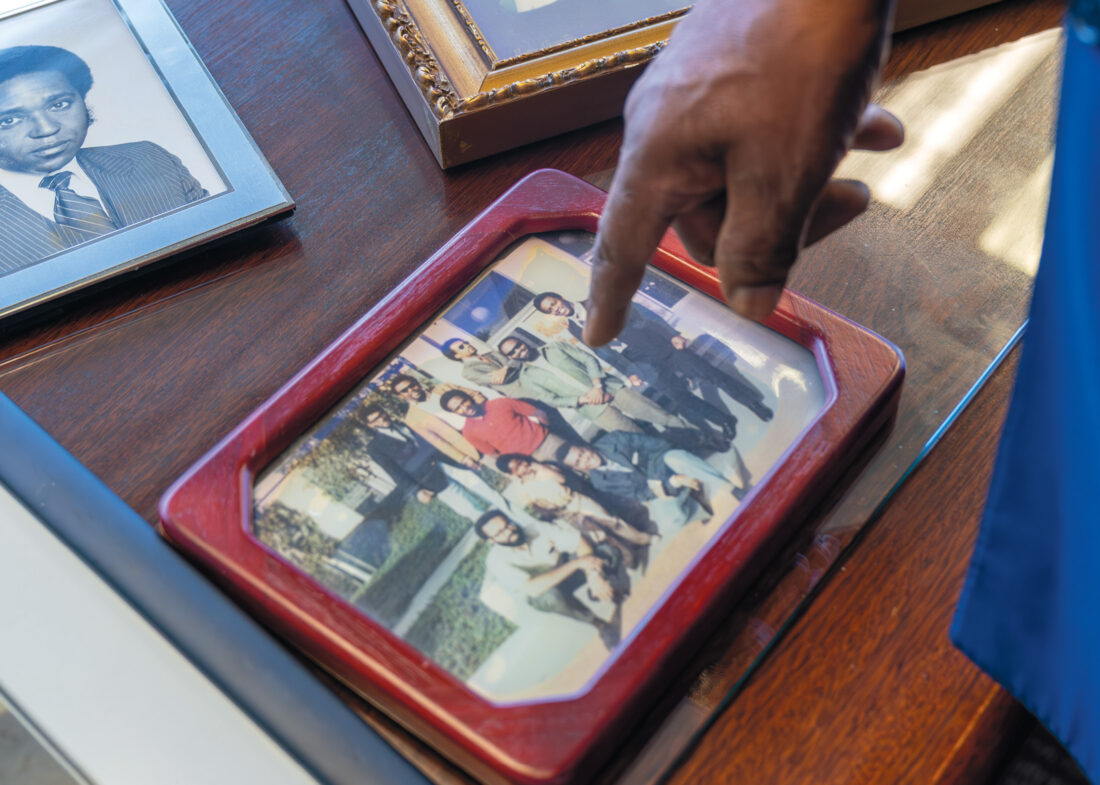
<point x="1030" y="611"/>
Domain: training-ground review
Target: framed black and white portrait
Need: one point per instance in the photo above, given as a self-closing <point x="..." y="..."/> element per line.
<point x="116" y="147"/>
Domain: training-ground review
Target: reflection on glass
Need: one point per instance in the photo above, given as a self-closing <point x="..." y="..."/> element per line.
<point x="13" y="7"/>
<point x="944" y="114"/>
<point x="513" y="503"/>
<point x="517" y="27"/>
<point x="1016" y="232"/>
<point x="24" y="760"/>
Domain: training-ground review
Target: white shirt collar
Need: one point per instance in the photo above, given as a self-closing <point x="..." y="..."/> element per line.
<point x="26" y="188"/>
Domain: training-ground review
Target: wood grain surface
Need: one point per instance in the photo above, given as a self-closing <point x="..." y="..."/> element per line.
<point x="139" y="380"/>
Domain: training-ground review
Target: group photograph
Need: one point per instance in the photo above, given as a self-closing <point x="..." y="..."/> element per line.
<point x="514" y="503"/>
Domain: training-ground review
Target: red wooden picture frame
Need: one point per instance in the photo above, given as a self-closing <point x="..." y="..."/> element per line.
<point x="208" y="512"/>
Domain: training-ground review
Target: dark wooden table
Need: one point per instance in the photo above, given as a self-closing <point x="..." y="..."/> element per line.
<point x="142" y="379"/>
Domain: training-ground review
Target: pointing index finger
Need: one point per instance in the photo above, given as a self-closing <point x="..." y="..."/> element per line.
<point x="631" y="227"/>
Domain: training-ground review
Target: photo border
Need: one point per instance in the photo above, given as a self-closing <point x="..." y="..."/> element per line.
<point x="253" y="192"/>
<point x="208" y="512"/>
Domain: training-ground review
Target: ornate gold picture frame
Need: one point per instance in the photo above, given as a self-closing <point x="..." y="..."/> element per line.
<point x="483" y="76"/>
<point x="472" y="97"/>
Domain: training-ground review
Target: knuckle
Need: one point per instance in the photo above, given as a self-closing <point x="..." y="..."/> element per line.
<point x="756" y="263"/>
<point x="701" y="251"/>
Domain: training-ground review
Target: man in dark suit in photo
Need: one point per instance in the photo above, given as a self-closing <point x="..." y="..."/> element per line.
<point x="54" y="192"/>
<point x="419" y="467"/>
<point x="655" y="352"/>
<point x="404" y="455"/>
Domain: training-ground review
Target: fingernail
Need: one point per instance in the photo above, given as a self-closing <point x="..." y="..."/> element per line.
<point x="754" y="302"/>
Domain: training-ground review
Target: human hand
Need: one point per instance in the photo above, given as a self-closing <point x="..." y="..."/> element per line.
<point x="635" y="536"/>
<point x="685" y="481"/>
<point x="498" y="376"/>
<point x="600" y="588"/>
<point x="424" y="495"/>
<point x="591" y="564"/>
<point x="596" y="536"/>
<point x="470" y="463"/>
<point x="731" y="137"/>
<point x="635" y="380"/>
<point x="593" y="396"/>
<point x="678" y="342"/>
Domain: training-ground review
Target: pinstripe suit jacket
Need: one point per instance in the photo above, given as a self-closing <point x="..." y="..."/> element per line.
<point x="138" y="180"/>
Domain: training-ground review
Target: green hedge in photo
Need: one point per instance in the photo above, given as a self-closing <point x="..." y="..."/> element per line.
<point x="456" y="630"/>
<point x="297" y="539"/>
<point x="422" y="536"/>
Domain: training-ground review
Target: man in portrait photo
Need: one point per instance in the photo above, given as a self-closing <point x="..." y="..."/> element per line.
<point x="55" y="193"/>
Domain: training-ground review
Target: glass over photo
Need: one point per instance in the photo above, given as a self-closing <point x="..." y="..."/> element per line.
<point x="514" y="28"/>
<point x="513" y="503"/>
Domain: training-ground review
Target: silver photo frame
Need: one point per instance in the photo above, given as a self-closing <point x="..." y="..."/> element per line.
<point x="164" y="158"/>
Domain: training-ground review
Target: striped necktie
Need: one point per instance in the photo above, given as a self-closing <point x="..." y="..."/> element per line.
<point x="80" y="218"/>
